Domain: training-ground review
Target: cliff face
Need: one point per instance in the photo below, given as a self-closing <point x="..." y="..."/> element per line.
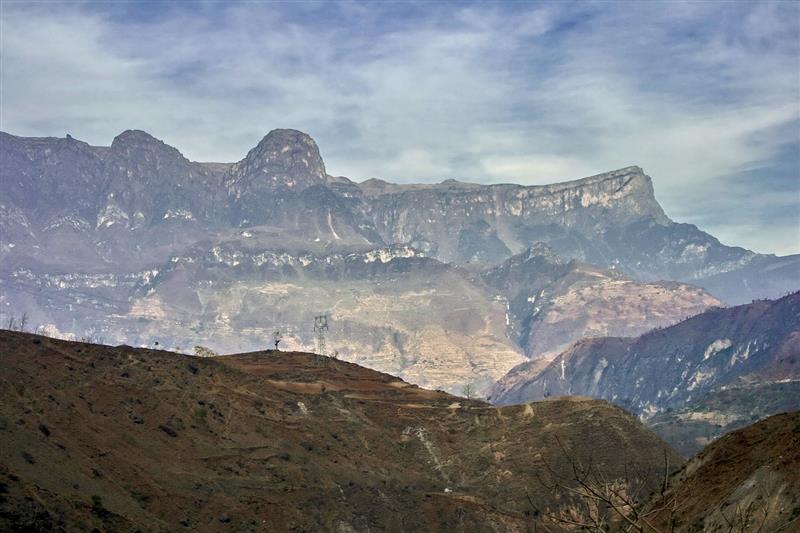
<point x="449" y="214"/>
<point x="46" y="177"/>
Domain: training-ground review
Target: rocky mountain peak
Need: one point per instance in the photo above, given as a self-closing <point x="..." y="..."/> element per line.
<point x="284" y="157"/>
<point x="132" y="142"/>
<point x="129" y="136"/>
<point x="628" y="190"/>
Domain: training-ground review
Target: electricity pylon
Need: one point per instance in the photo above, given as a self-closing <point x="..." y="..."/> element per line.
<point x="320" y="328"/>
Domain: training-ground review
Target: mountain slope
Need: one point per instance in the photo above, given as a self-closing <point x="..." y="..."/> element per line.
<point x="746" y="481"/>
<point x="669" y="367"/>
<point x="123" y="438"/>
<point x="389" y="309"/>
<point x="553" y="303"/>
<point x="722" y="410"/>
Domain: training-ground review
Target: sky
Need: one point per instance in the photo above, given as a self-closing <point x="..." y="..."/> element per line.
<point x="705" y="96"/>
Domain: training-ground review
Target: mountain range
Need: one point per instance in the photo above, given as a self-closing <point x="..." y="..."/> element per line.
<point x="714" y="372"/>
<point x="443" y="284"/>
<point x="578" y="309"/>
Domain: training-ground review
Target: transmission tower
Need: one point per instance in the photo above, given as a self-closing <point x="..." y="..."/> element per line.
<point x="320" y="328"/>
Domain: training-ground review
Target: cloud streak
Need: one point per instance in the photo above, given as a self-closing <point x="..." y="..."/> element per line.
<point x="705" y="97"/>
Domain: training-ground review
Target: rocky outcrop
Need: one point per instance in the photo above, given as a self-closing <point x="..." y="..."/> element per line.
<point x="285" y="161"/>
<point x="282" y="159"/>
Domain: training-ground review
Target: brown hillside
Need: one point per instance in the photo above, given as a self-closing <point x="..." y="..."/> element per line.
<point x="748" y="480"/>
<point x="122" y="439"/>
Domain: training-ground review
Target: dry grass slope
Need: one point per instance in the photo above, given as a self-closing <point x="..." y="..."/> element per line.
<point x="126" y="439"/>
<point x="747" y="481"/>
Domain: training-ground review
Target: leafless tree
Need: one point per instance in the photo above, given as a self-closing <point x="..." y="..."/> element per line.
<point x="468" y="391"/>
<point x="602" y="502"/>
<point x="23" y="321"/>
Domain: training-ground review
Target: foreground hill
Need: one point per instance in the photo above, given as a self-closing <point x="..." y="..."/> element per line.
<point x="749" y="480"/>
<point x="123" y="438"/>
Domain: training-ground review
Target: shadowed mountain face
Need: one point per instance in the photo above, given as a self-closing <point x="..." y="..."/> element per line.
<point x="120" y="439"/>
<point x="135" y="243"/>
<point x="724" y="409"/>
<point x="722" y="368"/>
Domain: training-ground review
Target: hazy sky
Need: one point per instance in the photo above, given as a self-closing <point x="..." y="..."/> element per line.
<point x="704" y="96"/>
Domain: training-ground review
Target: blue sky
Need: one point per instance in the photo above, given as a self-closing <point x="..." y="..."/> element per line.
<point x="704" y="96"/>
